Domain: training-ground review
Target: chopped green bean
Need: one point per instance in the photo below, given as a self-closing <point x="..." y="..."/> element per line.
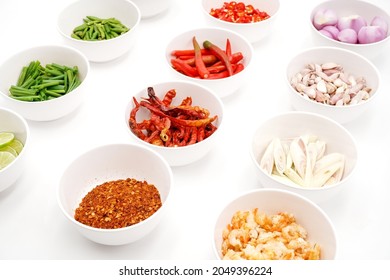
<point x="38" y="83"/>
<point x="95" y="28"/>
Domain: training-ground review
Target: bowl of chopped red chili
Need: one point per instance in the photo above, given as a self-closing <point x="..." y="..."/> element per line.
<point x="180" y="120"/>
<point x="115" y="194"/>
<point x="254" y="19"/>
<point x="217" y="58"/>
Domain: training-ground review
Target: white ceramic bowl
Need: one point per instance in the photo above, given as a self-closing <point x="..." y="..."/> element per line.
<point x="150" y="8"/>
<point x="104" y="50"/>
<point x="295" y="124"/>
<point x="11" y="121"/>
<point x="218" y="36"/>
<point x="47" y="54"/>
<point x="254" y="32"/>
<point x="352" y="63"/>
<point x="346" y="8"/>
<point x="112" y="162"/>
<point x="201" y="96"/>
<point x="319" y="227"/>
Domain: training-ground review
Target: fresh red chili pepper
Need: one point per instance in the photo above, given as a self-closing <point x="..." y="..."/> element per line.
<point x="220" y="75"/>
<point x="238" y="12"/>
<point x="199" y="64"/>
<point x="216" y="68"/>
<point x="182" y="66"/>
<point x="239" y="68"/>
<point x="219" y="53"/>
<point x="236" y="57"/>
<point x="208" y="59"/>
<point x="228" y="49"/>
<point x="190" y="52"/>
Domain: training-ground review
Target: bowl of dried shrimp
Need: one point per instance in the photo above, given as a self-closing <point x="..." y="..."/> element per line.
<point x="333" y="82"/>
<point x="115" y="194"/>
<point x="180" y="120"/>
<point x="305" y="153"/>
<point x="266" y="224"/>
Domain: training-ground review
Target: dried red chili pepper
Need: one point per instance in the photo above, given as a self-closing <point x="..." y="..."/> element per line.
<point x="171" y="125"/>
<point x="238" y="12"/>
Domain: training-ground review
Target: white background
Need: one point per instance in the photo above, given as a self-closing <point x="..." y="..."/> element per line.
<point x="31" y="224"/>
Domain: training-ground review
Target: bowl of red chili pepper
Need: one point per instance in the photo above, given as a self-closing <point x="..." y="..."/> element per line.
<point x="180" y="120"/>
<point x="102" y="30"/>
<point x="115" y="194"/>
<point x="217" y="58"/>
<point x="254" y="19"/>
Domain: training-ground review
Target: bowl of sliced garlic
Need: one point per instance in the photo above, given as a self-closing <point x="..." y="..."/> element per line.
<point x="305" y="153"/>
<point x="334" y="82"/>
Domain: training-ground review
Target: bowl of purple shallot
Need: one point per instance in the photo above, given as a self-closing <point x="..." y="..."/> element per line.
<point x="334" y="82"/>
<point x="180" y="120"/>
<point x="358" y="26"/>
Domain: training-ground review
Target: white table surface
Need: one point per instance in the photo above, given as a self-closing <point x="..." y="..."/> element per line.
<point x="31" y="223"/>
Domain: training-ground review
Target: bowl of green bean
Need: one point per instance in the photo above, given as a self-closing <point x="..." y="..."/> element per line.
<point x="44" y="83"/>
<point x="102" y="30"/>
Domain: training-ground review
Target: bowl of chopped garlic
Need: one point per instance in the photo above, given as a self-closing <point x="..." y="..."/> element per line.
<point x="333" y="82"/>
<point x="269" y="224"/>
<point x="115" y="194"/>
<point x="305" y="153"/>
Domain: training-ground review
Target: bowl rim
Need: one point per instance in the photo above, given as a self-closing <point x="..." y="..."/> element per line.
<point x="312" y="115"/>
<point x="344" y="44"/>
<point x="244" y="194"/>
<point x="218" y="100"/>
<point x="272" y="17"/>
<point x="131" y="227"/>
<point x="26" y="143"/>
<point x="340" y="50"/>
<point x="68" y="37"/>
<point x="43" y="47"/>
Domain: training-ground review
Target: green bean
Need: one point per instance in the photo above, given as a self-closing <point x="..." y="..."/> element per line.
<point x="38" y="83"/>
<point x="95" y="28"/>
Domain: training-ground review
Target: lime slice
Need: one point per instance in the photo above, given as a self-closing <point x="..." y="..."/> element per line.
<point x="16" y="145"/>
<point x="5" y="159"/>
<point x="5" y="138"/>
<point x="9" y="149"/>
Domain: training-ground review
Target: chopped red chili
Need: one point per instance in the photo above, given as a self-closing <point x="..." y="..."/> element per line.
<point x="238" y="12"/>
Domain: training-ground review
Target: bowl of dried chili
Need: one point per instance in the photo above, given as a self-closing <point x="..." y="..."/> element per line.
<point x="180" y="120"/>
<point x="217" y="58"/>
<point x="115" y="194"/>
<point x="254" y="19"/>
